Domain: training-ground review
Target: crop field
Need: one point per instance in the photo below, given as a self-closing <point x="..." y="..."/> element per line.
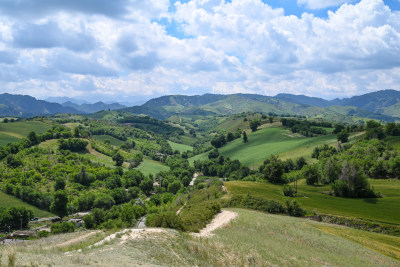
<point x="113" y="141"/>
<point x="12" y="131"/>
<point x="23" y="128"/>
<point x="6" y="139"/>
<point x="267" y="141"/>
<point x="180" y="147"/>
<point x="315" y="198"/>
<point x="8" y="201"/>
<point x="149" y="166"/>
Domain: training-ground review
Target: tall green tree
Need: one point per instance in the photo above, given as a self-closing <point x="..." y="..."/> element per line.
<point x="245" y="140"/>
<point x="118" y="158"/>
<point x="59" y="205"/>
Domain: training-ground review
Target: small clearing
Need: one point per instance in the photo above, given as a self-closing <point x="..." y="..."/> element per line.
<point x="219" y="221"/>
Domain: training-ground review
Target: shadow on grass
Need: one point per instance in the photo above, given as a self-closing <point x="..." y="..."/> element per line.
<point x="371" y="200"/>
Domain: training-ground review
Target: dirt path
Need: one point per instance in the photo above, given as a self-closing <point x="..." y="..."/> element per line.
<point x="127" y="234"/>
<point x="13" y="134"/>
<point x="77" y="239"/>
<point x="194" y="179"/>
<point x="220" y="220"/>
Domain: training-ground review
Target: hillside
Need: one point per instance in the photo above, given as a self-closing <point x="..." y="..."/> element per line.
<point x="346" y="110"/>
<point x="252" y="239"/>
<point x="92" y="108"/>
<point x="267" y="141"/>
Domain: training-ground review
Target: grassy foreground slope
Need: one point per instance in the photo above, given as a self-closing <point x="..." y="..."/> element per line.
<point x="253" y="239"/>
<point x="267" y="141"/>
<point x="386" y="209"/>
<point x="7" y="201"/>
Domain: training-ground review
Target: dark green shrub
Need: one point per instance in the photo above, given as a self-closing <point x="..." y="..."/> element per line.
<point x="43" y="234"/>
<point x="165" y="220"/>
<point x="288" y="191"/>
<point x="294" y="209"/>
<point x="64" y="227"/>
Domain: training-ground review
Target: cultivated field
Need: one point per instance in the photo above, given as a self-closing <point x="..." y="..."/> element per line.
<point x="180" y="147"/>
<point x="113" y="141"/>
<point x="149" y="166"/>
<point x="7" y="201"/>
<point x="315" y="198"/>
<point x="267" y="141"/>
<point x="12" y="131"/>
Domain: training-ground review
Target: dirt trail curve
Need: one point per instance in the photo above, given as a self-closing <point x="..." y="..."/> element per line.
<point x="223" y="218"/>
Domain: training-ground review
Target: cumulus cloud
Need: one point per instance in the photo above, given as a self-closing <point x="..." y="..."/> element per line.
<point x="319" y="4"/>
<point x="115" y="9"/>
<point x="7" y="57"/>
<point x="50" y="35"/>
<point x="226" y="47"/>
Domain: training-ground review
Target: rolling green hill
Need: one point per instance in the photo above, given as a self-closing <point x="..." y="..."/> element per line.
<point x="267" y="141"/>
<point x="8" y="201"/>
<point x="382" y="210"/>
<point x="12" y="131"/>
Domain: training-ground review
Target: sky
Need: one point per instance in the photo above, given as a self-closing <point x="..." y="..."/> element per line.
<point x="129" y="50"/>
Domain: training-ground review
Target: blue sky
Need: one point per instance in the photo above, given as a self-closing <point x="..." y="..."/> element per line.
<point x="126" y="50"/>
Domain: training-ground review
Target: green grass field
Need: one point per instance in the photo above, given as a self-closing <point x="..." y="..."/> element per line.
<point x="267" y="141"/>
<point x="23" y="128"/>
<point x="6" y="139"/>
<point x="113" y="141"/>
<point x="149" y="166"/>
<point x="180" y="147"/>
<point x="258" y="239"/>
<point x="7" y="201"/>
<point x="314" y="198"/>
<point x="12" y="131"/>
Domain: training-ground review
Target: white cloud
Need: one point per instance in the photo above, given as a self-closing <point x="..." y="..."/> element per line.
<point x="237" y="46"/>
<point x="319" y="4"/>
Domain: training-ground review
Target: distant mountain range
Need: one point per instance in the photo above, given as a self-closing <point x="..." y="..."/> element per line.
<point x="381" y="105"/>
<point x="92" y="108"/>
<point x="28" y="106"/>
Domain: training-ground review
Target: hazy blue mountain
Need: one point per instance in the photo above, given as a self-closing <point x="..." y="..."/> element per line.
<point x="302" y="99"/>
<point x="63" y="99"/>
<point x="95" y="107"/>
<point x="26" y="106"/>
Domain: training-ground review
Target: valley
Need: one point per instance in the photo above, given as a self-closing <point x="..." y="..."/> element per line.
<point x="296" y="182"/>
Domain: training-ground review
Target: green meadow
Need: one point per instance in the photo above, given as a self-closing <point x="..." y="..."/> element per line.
<point x="180" y="147"/>
<point x="259" y="239"/>
<point x="6" y="139"/>
<point x="316" y="198"/>
<point x="113" y="141"/>
<point x="268" y="141"/>
<point x="149" y="166"/>
<point x="12" y="131"/>
<point x="7" y="201"/>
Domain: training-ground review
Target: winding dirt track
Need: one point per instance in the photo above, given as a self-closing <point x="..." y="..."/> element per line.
<point x="222" y="219"/>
